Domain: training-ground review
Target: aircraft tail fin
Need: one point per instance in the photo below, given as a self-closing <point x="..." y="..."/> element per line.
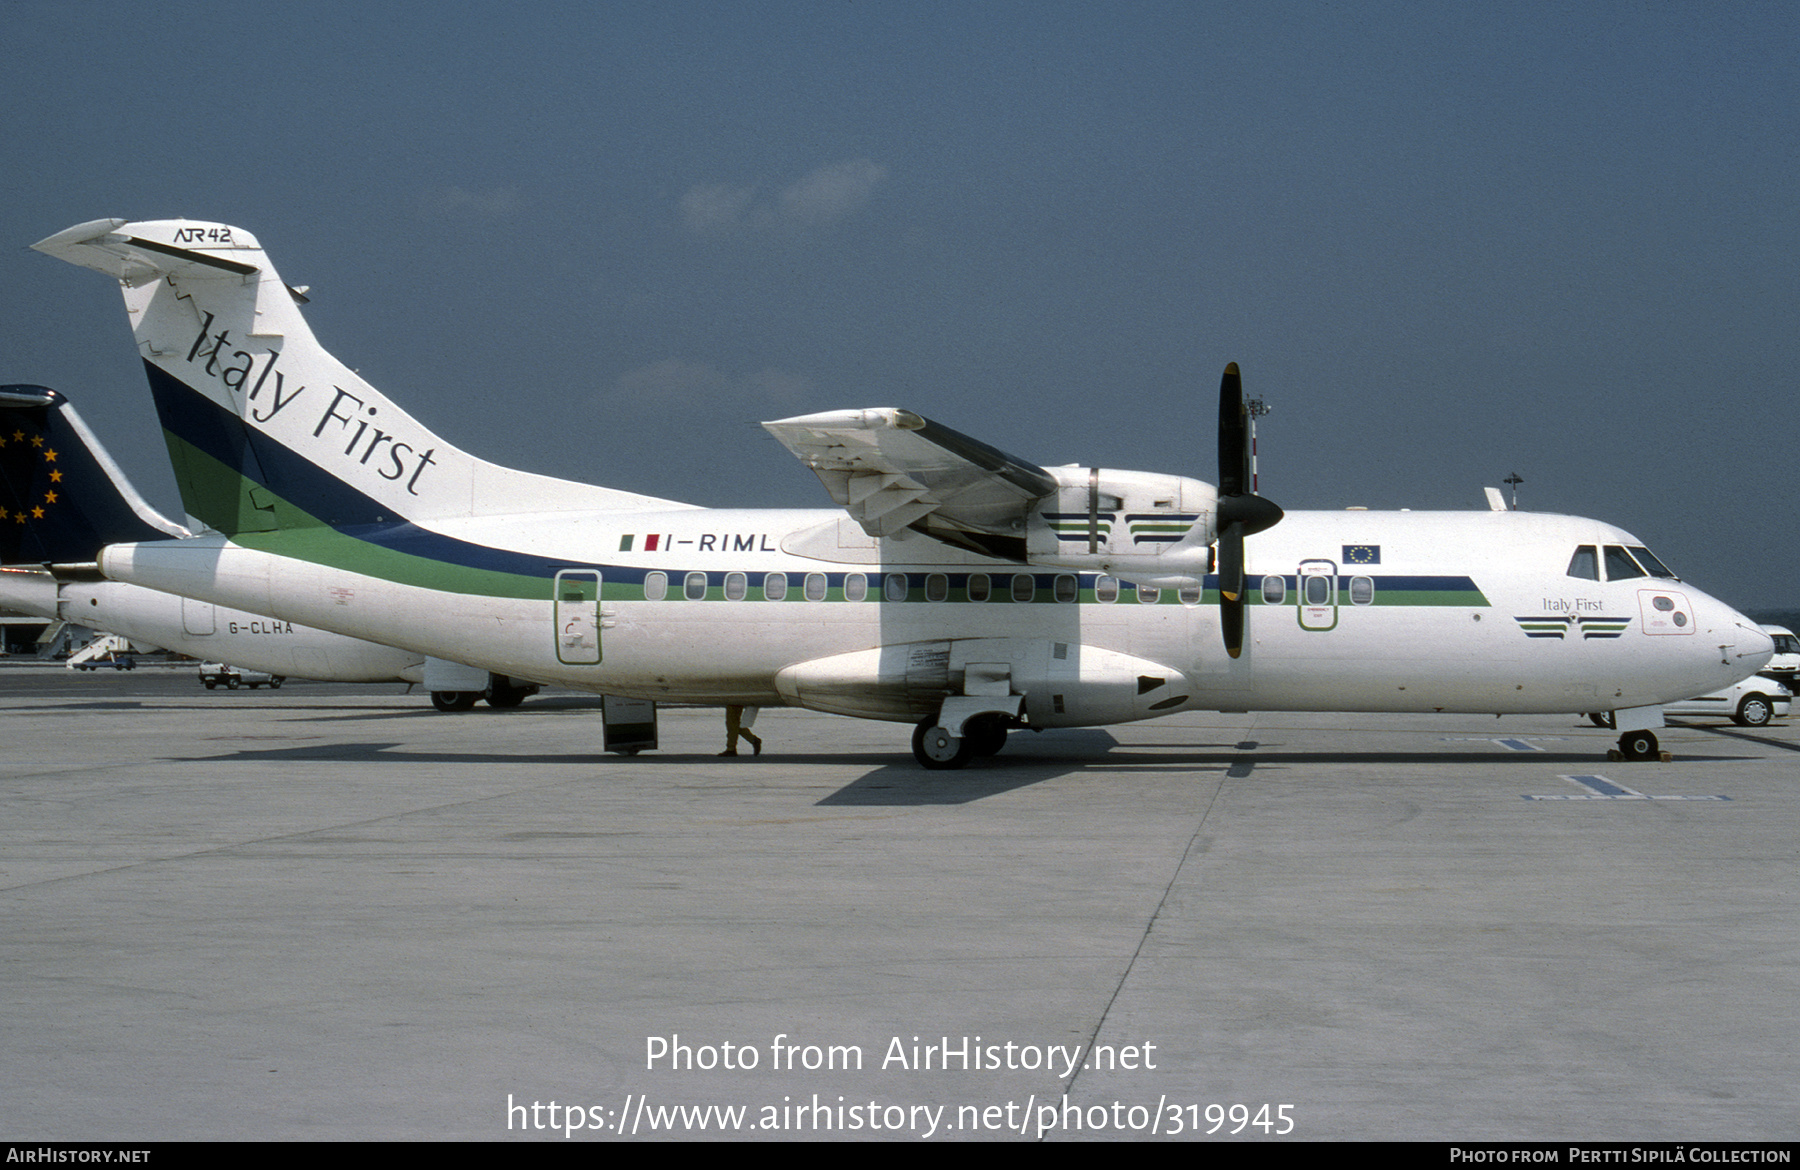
<point x="62" y="498"/>
<point x="266" y="429"/>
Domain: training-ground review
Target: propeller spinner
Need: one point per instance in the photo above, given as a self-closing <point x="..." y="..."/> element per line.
<point x="1241" y="511"/>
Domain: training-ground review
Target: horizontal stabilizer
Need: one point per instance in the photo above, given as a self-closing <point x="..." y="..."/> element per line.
<point x="202" y="250"/>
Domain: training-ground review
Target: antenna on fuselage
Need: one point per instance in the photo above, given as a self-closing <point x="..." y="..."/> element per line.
<point x="1513" y="481"/>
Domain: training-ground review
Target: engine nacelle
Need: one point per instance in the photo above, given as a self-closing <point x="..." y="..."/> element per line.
<point x="1145" y="527"/>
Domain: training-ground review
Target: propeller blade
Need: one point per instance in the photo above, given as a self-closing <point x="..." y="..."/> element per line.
<point x="1234" y="435"/>
<point x="1241" y="511"/>
<point x="1231" y="588"/>
<point x="1231" y="562"/>
<point x="1231" y="620"/>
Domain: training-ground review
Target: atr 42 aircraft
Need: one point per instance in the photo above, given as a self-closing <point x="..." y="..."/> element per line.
<point x="959" y="589"/>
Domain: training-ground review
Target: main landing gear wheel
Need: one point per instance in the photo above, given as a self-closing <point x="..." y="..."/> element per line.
<point x="454" y="700"/>
<point x="1638" y="745"/>
<point x="1601" y="718"/>
<point x="937" y="749"/>
<point x="506" y="696"/>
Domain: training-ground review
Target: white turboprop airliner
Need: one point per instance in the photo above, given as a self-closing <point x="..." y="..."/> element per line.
<point x="958" y="588"/>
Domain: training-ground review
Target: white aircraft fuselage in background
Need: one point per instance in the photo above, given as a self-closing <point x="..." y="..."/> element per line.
<point x="203" y="630"/>
<point x="1089" y="601"/>
<point x="62" y="498"/>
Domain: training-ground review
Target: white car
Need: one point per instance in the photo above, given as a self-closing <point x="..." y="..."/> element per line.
<point x="1784" y="668"/>
<point x="217" y="674"/>
<point x="1751" y="703"/>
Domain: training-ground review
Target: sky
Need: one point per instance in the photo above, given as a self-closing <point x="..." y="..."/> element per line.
<point x="602" y="241"/>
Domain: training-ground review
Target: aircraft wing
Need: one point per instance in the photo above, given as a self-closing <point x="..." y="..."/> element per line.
<point x="892" y="469"/>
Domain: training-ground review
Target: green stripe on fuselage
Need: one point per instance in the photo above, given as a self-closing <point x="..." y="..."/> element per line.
<point x="256" y="518"/>
<point x="320" y="545"/>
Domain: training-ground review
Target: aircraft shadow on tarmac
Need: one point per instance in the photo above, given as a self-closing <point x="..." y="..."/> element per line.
<point x="894" y="779"/>
<point x="1746" y="736"/>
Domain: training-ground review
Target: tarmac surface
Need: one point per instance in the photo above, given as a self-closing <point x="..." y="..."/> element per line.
<point x="330" y="912"/>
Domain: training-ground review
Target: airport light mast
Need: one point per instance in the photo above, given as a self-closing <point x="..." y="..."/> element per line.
<point x="1256" y="408"/>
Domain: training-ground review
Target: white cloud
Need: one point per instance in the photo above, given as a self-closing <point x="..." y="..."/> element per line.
<point x="777" y="387"/>
<point x="678" y="384"/>
<point x="493" y="204"/>
<point x="821" y="197"/>
<point x="670" y="382"/>
<point x="830" y="193"/>
<point x="715" y="208"/>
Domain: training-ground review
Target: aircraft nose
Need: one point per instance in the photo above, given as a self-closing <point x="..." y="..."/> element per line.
<point x="1757" y="646"/>
<point x="1740" y="641"/>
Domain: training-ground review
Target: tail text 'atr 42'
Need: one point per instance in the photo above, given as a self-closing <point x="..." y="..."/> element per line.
<point x="957" y="588"/>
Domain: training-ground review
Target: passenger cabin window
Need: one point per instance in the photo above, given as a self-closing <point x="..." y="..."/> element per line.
<point x="775" y="587"/>
<point x="694" y="587"/>
<point x="815" y="587"/>
<point x="1190" y="595"/>
<point x="980" y="587"/>
<point x="737" y="586"/>
<point x="1317" y="590"/>
<point x="1149" y="594"/>
<point x="1067" y="588"/>
<point x="856" y="587"/>
<point x="937" y="587"/>
<point x="1274" y="590"/>
<point x="656" y="586"/>
<point x="1024" y="587"/>
<point x="1106" y="589"/>
<point x="1585" y="564"/>
<point x="893" y="587"/>
<point x="1619" y="565"/>
<point x="1362" y="590"/>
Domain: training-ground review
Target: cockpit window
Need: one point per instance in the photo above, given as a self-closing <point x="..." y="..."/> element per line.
<point x="1651" y="565"/>
<point x="1619" y="565"/>
<point x="1585" y="564"/>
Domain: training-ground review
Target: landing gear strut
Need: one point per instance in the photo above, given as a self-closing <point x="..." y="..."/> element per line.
<point x="501" y="692"/>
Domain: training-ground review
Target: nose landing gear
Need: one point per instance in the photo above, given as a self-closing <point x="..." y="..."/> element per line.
<point x="1638" y="745"/>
